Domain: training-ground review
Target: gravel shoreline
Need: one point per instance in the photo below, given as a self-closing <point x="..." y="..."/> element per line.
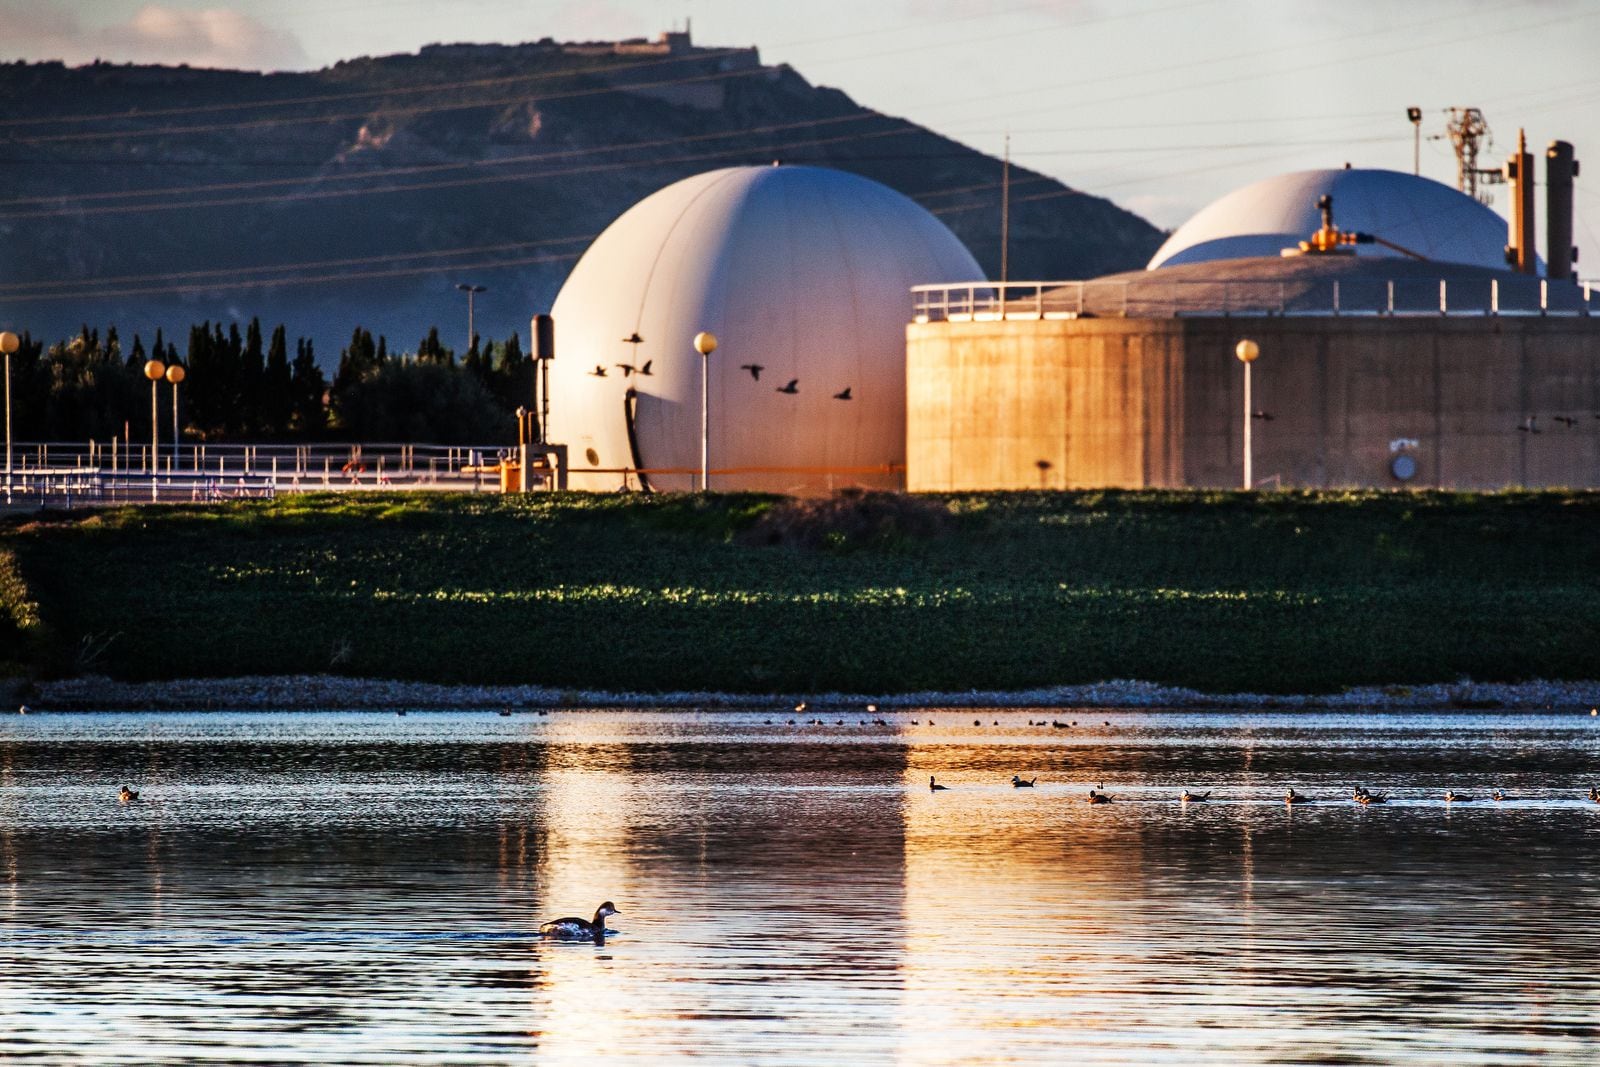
<point x="311" y="692"/>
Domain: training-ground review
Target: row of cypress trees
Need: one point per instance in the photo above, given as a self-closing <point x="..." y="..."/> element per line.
<point x="244" y="385"/>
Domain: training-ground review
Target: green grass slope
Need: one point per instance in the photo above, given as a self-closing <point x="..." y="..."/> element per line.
<point x="1282" y="592"/>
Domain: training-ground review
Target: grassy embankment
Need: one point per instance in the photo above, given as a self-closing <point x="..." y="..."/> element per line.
<point x="1276" y="593"/>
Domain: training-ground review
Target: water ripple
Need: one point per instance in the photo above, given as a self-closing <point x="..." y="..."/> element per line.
<point x="365" y="888"/>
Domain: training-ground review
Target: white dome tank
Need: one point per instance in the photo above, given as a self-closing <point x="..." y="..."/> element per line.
<point x="1262" y="219"/>
<point x="803" y="271"/>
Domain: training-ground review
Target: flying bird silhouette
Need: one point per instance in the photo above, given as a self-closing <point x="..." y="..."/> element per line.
<point x="844" y="395"/>
<point x="626" y="368"/>
<point x="1530" y="425"/>
<point x="1566" y="420"/>
<point x="755" y="369"/>
<point x="792" y="388"/>
<point x="646" y="368"/>
<point x="598" y="372"/>
<point x="633" y="339"/>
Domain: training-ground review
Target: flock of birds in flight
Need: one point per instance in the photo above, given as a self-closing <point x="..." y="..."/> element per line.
<point x="789" y="388"/>
<point x="1527" y="425"/>
<point x="1531" y="423"/>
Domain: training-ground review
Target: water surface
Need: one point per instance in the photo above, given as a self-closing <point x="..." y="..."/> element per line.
<point x="364" y="888"/>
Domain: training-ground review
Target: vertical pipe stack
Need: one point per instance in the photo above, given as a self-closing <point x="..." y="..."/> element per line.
<point x="1559" y="170"/>
<point x="1520" y="253"/>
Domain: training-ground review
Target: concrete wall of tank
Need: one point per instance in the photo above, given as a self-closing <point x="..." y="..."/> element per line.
<point x="1158" y="402"/>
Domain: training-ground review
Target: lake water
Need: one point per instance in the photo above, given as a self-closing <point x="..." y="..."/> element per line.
<point x="350" y="887"/>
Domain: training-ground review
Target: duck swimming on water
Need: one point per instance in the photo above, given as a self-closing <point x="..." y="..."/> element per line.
<point x="1018" y="783"/>
<point x="1452" y="797"/>
<point x="933" y="786"/>
<point x="127" y="796"/>
<point x="1291" y="797"/>
<point x="571" y="928"/>
<point x="1189" y="797"/>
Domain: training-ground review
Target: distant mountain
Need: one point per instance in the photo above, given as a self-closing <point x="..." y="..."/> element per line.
<point x="361" y="194"/>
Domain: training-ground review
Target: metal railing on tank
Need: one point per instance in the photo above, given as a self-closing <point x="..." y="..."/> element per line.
<point x="1154" y="297"/>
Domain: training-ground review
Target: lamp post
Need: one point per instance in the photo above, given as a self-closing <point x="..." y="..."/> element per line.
<point x="705" y="343"/>
<point x="1414" y="114"/>
<point x="9" y="342"/>
<point x="175" y="374"/>
<point x="522" y="447"/>
<point x="155" y="370"/>
<point x="471" y="291"/>
<point x="1247" y="351"/>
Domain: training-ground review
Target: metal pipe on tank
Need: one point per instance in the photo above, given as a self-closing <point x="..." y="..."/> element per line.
<point x="1559" y="170"/>
<point x="1519" y="172"/>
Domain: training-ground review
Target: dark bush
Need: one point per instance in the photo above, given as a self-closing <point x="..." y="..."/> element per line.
<point x="850" y="519"/>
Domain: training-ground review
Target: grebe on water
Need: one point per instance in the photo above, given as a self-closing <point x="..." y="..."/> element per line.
<point x="575" y="929"/>
<point x="934" y="787"/>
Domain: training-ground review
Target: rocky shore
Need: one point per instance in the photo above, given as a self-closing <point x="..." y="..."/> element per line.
<point x="323" y="692"/>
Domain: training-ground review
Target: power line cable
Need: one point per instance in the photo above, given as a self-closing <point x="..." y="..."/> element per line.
<point x="434" y="168"/>
<point x="319" y="194"/>
<point x="398" y="90"/>
<point x="351" y="116"/>
<point x="22" y="288"/>
<point x="483" y="266"/>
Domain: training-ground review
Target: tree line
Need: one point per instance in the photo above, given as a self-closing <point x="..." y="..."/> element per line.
<point x="245" y="385"/>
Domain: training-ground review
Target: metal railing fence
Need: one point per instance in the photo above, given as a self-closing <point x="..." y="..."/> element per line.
<point x="1154" y="297"/>
<point x="68" y="473"/>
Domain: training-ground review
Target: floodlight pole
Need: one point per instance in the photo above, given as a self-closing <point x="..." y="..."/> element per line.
<point x="471" y="291"/>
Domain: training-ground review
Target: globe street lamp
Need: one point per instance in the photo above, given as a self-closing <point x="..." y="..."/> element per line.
<point x="155" y="370"/>
<point x="9" y="343"/>
<point x="1247" y="351"/>
<point x="705" y="343"/>
<point x="175" y="374"/>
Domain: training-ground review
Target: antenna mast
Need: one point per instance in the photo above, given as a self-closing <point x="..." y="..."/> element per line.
<point x="1469" y="133"/>
<point x="1005" y="214"/>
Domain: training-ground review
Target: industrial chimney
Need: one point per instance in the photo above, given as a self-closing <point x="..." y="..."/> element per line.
<point x="1519" y="172"/>
<point x="1559" y="170"/>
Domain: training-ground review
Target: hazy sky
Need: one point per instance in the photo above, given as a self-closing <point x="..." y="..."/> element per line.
<point x="1161" y="105"/>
